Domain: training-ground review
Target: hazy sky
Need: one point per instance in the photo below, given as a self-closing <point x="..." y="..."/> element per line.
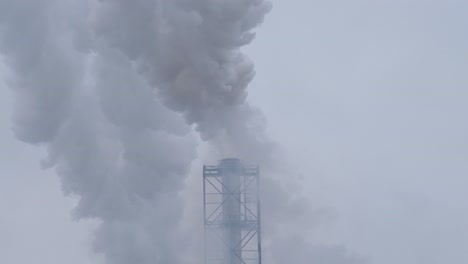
<point x="368" y="100"/>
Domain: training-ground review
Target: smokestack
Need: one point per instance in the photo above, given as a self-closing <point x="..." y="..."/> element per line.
<point x="232" y="213"/>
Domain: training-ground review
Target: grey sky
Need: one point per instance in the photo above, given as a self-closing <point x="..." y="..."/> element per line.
<point x="368" y="100"/>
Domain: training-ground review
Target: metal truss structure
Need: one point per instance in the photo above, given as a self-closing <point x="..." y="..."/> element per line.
<point x="232" y="213"/>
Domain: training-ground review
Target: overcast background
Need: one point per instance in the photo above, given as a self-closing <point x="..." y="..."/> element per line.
<point x="368" y="99"/>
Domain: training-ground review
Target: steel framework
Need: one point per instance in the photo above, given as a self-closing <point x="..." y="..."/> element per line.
<point x="232" y="213"/>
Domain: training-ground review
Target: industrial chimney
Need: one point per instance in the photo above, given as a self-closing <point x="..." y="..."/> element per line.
<point x="232" y="213"/>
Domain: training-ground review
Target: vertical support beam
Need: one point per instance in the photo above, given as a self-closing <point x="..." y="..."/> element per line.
<point x="259" y="223"/>
<point x="204" y="214"/>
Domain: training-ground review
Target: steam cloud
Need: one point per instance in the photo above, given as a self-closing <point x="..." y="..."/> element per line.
<point x="112" y="88"/>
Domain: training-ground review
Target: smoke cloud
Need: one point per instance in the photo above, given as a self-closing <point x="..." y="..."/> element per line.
<point x="113" y="88"/>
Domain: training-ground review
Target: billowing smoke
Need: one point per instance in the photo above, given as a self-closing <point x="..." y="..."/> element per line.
<point x="189" y="52"/>
<point x="112" y="89"/>
<point x="113" y="144"/>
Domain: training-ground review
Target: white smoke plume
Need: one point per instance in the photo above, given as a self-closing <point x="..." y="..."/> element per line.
<point x="189" y="51"/>
<point x="114" y="146"/>
<point x="112" y="88"/>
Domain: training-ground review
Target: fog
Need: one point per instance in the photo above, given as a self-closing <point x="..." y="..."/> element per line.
<point x="365" y="101"/>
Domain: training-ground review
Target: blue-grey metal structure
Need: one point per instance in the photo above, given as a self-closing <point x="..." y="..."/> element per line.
<point x="232" y="213"/>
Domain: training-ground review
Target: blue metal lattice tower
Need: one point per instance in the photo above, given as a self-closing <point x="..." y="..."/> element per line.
<point x="232" y="213"/>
